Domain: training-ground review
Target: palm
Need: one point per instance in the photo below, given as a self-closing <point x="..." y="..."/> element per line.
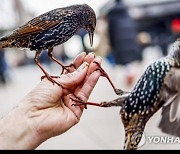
<point x="52" y="104"/>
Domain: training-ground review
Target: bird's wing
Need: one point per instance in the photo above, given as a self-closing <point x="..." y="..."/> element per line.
<point x="166" y="126"/>
<point x="172" y="82"/>
<point x="170" y="122"/>
<point x="38" y="24"/>
<point x="174" y="112"/>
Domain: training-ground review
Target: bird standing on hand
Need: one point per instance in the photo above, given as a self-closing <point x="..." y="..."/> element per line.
<point x="158" y="87"/>
<point x="51" y="29"/>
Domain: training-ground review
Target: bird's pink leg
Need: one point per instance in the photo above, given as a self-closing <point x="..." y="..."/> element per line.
<point x="103" y="72"/>
<point x="80" y="102"/>
<point x="58" y="62"/>
<point x="49" y="77"/>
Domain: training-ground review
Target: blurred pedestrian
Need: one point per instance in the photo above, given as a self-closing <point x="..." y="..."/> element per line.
<point x="123" y="36"/>
<point x="3" y="67"/>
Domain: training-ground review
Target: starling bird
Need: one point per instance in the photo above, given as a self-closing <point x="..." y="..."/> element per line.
<point x="158" y="87"/>
<point x="51" y="29"/>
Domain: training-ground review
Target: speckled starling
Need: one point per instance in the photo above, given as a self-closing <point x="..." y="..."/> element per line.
<point x="159" y="86"/>
<point x="51" y="29"/>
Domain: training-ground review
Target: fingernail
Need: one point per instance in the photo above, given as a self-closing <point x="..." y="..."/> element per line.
<point x="99" y="58"/>
<point x="92" y="53"/>
<point x="83" y="53"/>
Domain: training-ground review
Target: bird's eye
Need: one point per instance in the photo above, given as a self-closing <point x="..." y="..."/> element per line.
<point x="90" y="25"/>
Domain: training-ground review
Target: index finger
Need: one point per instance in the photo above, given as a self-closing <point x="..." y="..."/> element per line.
<point x="83" y="91"/>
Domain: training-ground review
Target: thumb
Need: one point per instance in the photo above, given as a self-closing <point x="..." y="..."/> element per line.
<point x="73" y="79"/>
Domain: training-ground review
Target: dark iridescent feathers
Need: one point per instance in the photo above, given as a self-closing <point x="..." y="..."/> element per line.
<point x="158" y="86"/>
<point x="51" y="28"/>
<point x="146" y="92"/>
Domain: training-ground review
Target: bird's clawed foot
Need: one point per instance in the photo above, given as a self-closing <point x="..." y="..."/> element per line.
<point x="67" y="68"/>
<point x="80" y="102"/>
<point x="45" y="76"/>
<point x="50" y="78"/>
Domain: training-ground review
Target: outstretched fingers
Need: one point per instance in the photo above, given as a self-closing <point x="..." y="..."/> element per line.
<point x="82" y="94"/>
<point x="83" y="91"/>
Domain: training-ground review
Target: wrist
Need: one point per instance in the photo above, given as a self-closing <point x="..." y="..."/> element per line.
<point x="17" y="132"/>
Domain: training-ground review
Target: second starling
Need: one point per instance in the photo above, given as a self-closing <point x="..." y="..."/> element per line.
<point x="51" y="29"/>
<point x="158" y="86"/>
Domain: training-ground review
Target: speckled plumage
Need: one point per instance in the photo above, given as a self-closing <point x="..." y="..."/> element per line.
<point x="143" y="101"/>
<point x="51" y="29"/>
<point x="159" y="85"/>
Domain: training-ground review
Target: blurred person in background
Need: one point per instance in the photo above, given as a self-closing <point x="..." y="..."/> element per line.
<point x="4" y="75"/>
<point x="123" y="39"/>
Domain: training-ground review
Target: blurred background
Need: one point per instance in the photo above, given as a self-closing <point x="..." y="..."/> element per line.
<point x="130" y="34"/>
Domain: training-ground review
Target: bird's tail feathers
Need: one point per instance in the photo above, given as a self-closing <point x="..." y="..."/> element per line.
<point x="14" y="42"/>
<point x="6" y="43"/>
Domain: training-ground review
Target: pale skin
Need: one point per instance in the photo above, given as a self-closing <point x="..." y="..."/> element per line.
<point x="48" y="110"/>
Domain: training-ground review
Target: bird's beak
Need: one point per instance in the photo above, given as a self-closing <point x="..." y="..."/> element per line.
<point x="91" y="35"/>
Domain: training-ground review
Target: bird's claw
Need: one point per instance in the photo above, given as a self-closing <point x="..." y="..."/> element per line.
<point x="50" y="78"/>
<point x="67" y="68"/>
<point x="80" y="102"/>
<point x="45" y="76"/>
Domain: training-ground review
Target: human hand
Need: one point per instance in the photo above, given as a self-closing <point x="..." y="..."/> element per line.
<point x="48" y="111"/>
